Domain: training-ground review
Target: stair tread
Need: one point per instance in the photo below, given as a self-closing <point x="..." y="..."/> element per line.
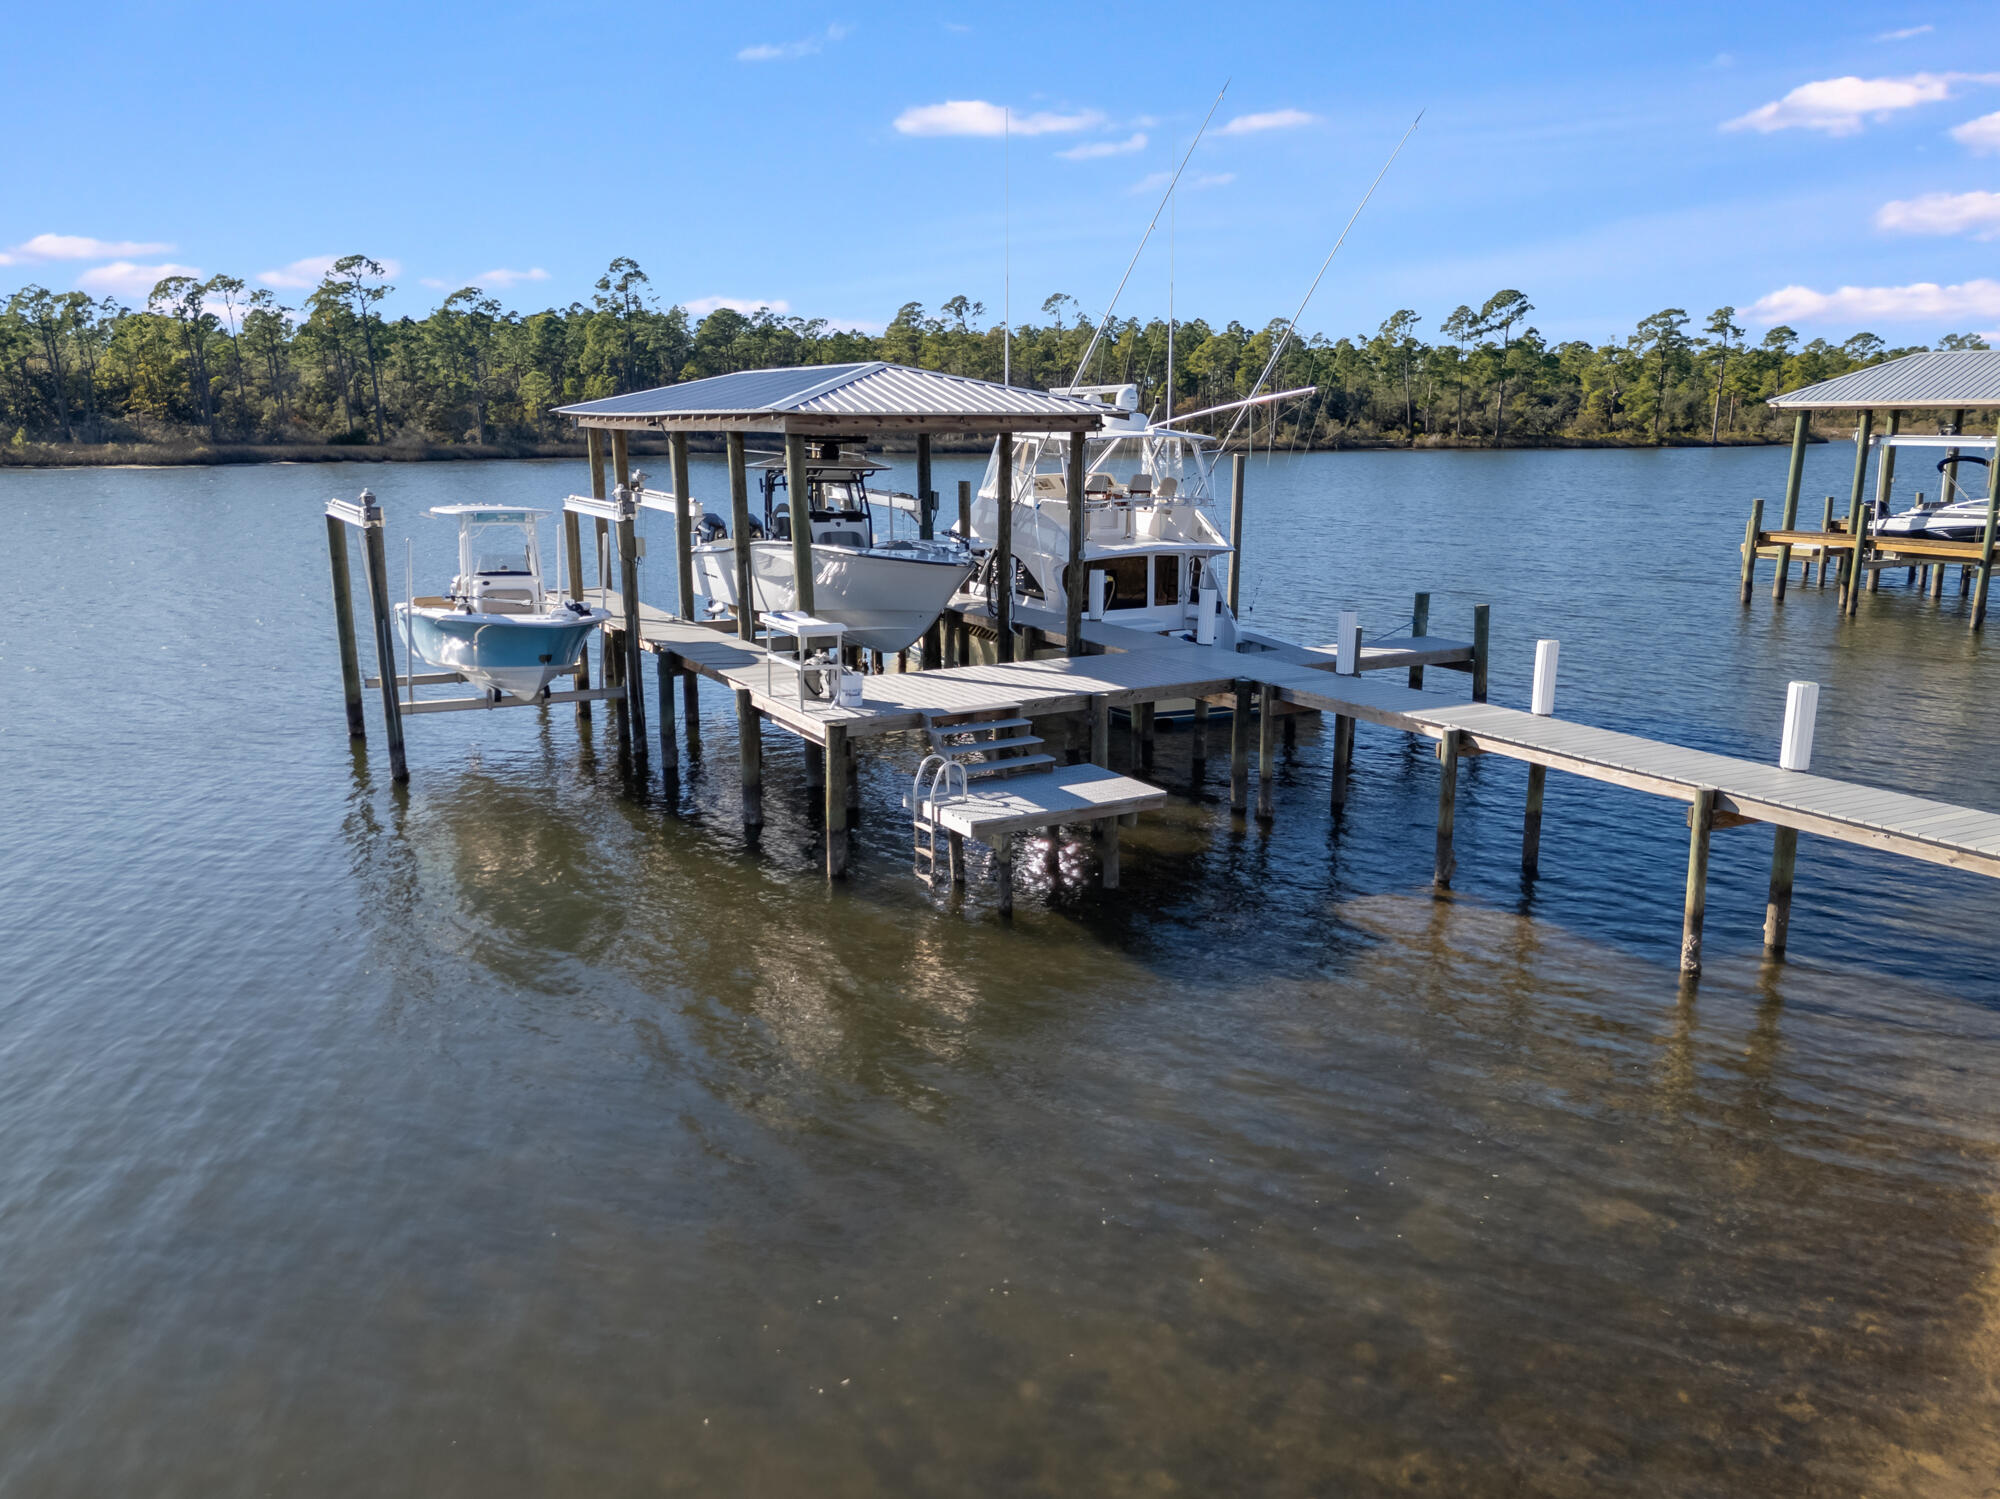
<point x="934" y="722"/>
<point x="1020" y="741"/>
<point x="1001" y="767"/>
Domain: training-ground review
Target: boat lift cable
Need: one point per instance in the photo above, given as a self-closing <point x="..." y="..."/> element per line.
<point x="1278" y="349"/>
<point x="1165" y="198"/>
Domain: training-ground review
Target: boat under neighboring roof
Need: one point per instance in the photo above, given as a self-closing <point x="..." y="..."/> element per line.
<point x="1953" y="515"/>
<point x="496" y="626"/>
<point x="887" y="592"/>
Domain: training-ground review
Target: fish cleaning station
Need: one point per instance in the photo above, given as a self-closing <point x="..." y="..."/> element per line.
<point x="1003" y="710"/>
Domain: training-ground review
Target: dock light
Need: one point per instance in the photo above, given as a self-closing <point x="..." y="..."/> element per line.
<point x="1347" y="643"/>
<point x="1801" y="710"/>
<point x="1543" y="702"/>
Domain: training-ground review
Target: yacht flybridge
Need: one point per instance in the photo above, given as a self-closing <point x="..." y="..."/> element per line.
<point x="1148" y="534"/>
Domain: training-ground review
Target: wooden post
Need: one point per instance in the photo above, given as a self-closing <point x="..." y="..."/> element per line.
<point x="1885" y="470"/>
<point x="1343" y="758"/>
<point x="1003" y="870"/>
<point x="965" y="511"/>
<point x="1003" y="551"/>
<point x="1825" y="528"/>
<point x="375" y="564"/>
<point x="665" y="666"/>
<point x="684" y="519"/>
<point x="1420" y="626"/>
<point x="1267" y="743"/>
<point x="836" y="801"/>
<point x="1856" y="499"/>
<point x="750" y="758"/>
<point x="798" y="498"/>
<point x="1531" y="821"/>
<point x="1107" y="853"/>
<point x="1200" y="747"/>
<point x="1701" y="823"/>
<point x="1482" y="634"/>
<point x="926" y="498"/>
<point x="1862" y="527"/>
<point x="1750" y="553"/>
<point x="594" y="441"/>
<point x="573" y="565"/>
<point x="1789" y="516"/>
<point x="1239" y="749"/>
<point x="621" y="459"/>
<point x="739" y="535"/>
<point x="635" y="642"/>
<point x="343" y="626"/>
<point x="1236" y="537"/>
<point x="1143" y="716"/>
<point x="1778" y="905"/>
<point x="1100" y="731"/>
<point x="1986" y="552"/>
<point x="1445" y="862"/>
<point x="1076" y="579"/>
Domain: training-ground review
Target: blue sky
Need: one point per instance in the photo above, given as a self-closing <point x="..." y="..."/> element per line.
<point x="1836" y="166"/>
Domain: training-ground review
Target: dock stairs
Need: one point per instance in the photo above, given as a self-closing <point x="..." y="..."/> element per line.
<point x="985" y="743"/>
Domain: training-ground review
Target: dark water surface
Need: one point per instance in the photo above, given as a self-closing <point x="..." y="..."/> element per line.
<point x="526" y="1133"/>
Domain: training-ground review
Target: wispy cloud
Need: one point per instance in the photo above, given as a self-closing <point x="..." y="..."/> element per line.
<point x="1974" y="213"/>
<point x="83" y="247"/>
<point x="303" y="275"/>
<point x="1905" y="34"/>
<point x="1152" y="182"/>
<point x="1275" y="119"/>
<point x="978" y="117"/>
<point x="793" y="51"/>
<point x="1981" y="136"/>
<point x="124" y="279"/>
<point x="1838" y="106"/>
<point x="1092" y="150"/>
<point x="503" y="278"/>
<point x="1850" y="305"/>
<point x="703" y="306"/>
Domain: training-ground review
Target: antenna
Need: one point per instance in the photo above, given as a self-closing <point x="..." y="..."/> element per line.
<point x="1006" y="247"/>
<point x="1278" y="348"/>
<point x="1084" y="363"/>
<point x="1173" y="223"/>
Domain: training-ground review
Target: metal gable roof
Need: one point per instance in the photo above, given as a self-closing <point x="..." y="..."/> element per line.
<point x="838" y="399"/>
<point x="1953" y="378"/>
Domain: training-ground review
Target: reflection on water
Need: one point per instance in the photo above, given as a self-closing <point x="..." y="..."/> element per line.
<point x="530" y="1130"/>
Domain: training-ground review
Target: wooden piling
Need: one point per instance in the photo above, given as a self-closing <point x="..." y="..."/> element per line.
<point x="594" y="444"/>
<point x="1107" y="853"/>
<point x="1239" y="749"/>
<point x="1343" y="759"/>
<point x="375" y="565"/>
<point x="1482" y="641"/>
<point x="798" y="500"/>
<point x="1420" y="626"/>
<point x="1778" y="905"/>
<point x="926" y="496"/>
<point x="835" y="781"/>
<point x="1857" y="575"/>
<point x="1003" y="871"/>
<point x="1003" y="551"/>
<point x="1789" y="516"/>
<point x="1445" y="862"/>
<point x="1980" y="584"/>
<point x="1200" y="746"/>
<point x="1531" y="821"/>
<point x="665" y="667"/>
<point x="1100" y="731"/>
<point x="573" y="560"/>
<point x="343" y="626"/>
<point x="1701" y="824"/>
<point x="685" y="517"/>
<point x="1825" y="525"/>
<point x="750" y="758"/>
<point x="1076" y="580"/>
<point x="965" y="510"/>
<point x="1885" y="470"/>
<point x="634" y="640"/>
<point x="1236" y="466"/>
<point x="1856" y="502"/>
<point x="739" y="534"/>
<point x="1267" y="744"/>
<point x="1750" y="552"/>
<point x="1143" y="717"/>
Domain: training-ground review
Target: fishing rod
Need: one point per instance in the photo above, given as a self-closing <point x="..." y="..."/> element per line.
<point x="1165" y="198"/>
<point x="1279" y="348"/>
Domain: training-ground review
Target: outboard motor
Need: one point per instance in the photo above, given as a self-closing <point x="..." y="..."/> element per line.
<point x="710" y="527"/>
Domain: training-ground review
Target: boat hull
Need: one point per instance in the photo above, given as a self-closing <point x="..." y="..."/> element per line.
<point x="514" y="654"/>
<point x="886" y="598"/>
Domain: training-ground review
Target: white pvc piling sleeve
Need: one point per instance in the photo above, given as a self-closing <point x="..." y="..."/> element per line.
<point x="1098" y="579"/>
<point x="1543" y="702"/>
<point x="1348" y="643"/>
<point x="1801" y="710"/>
<point x="1204" y="624"/>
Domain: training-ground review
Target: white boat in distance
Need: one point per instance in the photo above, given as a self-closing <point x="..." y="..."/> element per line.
<point x="1953" y="515"/>
<point x="496" y="627"/>
<point x="887" y="593"/>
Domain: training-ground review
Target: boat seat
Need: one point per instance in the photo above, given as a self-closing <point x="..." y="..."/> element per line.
<point x="1139" y="484"/>
<point x="1169" y="487"/>
<point x="1097" y="484"/>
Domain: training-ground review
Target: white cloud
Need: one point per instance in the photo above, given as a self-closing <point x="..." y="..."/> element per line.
<point x="1838" y="105"/>
<point x="977" y="117"/>
<point x="124" y="279"/>
<point x="1905" y="34"/>
<point x="1886" y="304"/>
<point x="793" y="51"/>
<point x="1152" y="182"/>
<point x="1276" y="119"/>
<point x="703" y="306"/>
<point x="1981" y="135"/>
<point x="503" y="278"/>
<point x="1974" y="213"/>
<point x="1092" y="150"/>
<point x="305" y="274"/>
<point x="83" y="247"/>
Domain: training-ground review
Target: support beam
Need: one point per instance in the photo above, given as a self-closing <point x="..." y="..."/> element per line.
<point x="965" y="510"/>
<point x="1343" y="759"/>
<point x="1144" y="716"/>
<point x="1531" y="822"/>
<point x="1267" y="744"/>
<point x="1003" y="871"/>
<point x="1850" y="562"/>
<point x="1445" y="862"/>
<point x="739" y="533"/>
<point x="926" y="496"/>
<point x="798" y="498"/>
<point x="666" y="667"/>
<point x="594" y="442"/>
<point x="1794" y="476"/>
<point x="1420" y="626"/>
<point x="1003" y="550"/>
<point x="691" y="712"/>
<point x="1482" y="652"/>
<point x="835" y="781"/>
<point x="1825" y="526"/>
<point x="1107" y="853"/>
<point x="573" y="583"/>
<point x="628" y="569"/>
<point x="343" y="626"/>
<point x="1100" y="731"/>
<point x="1239" y="750"/>
<point x="1750" y="553"/>
<point x="1985" y="577"/>
<point x="1076" y="579"/>
<point x="1701" y="824"/>
<point x="1778" y="905"/>
<point x="750" y="758"/>
<point x="684" y="519"/>
<point x="375" y="564"/>
<point x="1236" y="467"/>
<point x="1200" y="746"/>
<point x="1858" y="575"/>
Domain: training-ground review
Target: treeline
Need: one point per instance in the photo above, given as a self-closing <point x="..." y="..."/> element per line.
<point x="211" y="361"/>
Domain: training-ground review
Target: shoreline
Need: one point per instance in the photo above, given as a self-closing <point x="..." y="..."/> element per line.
<point x="172" y="455"/>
